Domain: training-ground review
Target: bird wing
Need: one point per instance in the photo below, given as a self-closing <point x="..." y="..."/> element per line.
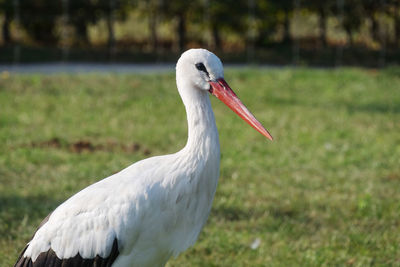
<point x="50" y="259"/>
<point x="90" y="226"/>
<point x="79" y="232"/>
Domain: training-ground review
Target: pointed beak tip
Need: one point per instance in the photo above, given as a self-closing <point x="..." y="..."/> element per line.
<point x="223" y="92"/>
<point x="268" y="135"/>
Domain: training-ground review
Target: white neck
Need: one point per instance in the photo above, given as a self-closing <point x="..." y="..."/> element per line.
<point x="202" y="130"/>
<point x="199" y="160"/>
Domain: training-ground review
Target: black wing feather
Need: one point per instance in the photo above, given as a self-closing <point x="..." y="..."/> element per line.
<point x="50" y="259"/>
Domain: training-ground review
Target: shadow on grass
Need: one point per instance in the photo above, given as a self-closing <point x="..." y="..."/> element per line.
<point x="17" y="212"/>
<point x="231" y="213"/>
<point x="236" y="213"/>
<point x="271" y="218"/>
<point x="351" y="107"/>
<point x="373" y="108"/>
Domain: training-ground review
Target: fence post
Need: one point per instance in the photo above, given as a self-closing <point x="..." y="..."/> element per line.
<point x="64" y="32"/>
<point x="251" y="31"/>
<point x="17" y="48"/>
<point x="339" y="48"/>
<point x="206" y="23"/>
<point x="382" y="37"/>
<point x="111" y="33"/>
<point x="295" y="40"/>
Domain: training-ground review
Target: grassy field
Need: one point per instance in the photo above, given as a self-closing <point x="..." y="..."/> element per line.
<point x="326" y="192"/>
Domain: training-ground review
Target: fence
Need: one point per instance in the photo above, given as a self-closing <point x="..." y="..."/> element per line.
<point x="298" y="32"/>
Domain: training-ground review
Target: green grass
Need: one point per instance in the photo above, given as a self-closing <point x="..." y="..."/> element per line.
<point x="324" y="193"/>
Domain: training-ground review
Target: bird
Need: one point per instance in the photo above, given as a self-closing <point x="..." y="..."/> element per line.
<point x="155" y="208"/>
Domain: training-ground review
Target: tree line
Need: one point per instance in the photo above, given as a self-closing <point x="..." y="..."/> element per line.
<point x="40" y="19"/>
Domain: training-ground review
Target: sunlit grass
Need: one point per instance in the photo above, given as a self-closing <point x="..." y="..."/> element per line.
<point x="325" y="192"/>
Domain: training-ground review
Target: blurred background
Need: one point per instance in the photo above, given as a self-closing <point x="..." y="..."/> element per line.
<point x="297" y="32"/>
<point x="324" y="193"/>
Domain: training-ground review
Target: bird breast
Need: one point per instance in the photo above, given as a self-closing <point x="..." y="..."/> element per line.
<point x="171" y="210"/>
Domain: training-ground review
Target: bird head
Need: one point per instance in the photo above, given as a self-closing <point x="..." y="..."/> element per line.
<point x="202" y="70"/>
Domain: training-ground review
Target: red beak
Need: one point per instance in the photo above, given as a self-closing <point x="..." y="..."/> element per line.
<point x="224" y="93"/>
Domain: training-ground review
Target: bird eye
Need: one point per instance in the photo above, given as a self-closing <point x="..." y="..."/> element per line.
<point x="201" y="67"/>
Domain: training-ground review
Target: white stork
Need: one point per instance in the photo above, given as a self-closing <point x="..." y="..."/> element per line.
<point x="155" y="208"/>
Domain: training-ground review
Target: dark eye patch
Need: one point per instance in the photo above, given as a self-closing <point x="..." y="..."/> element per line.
<point x="200" y="66"/>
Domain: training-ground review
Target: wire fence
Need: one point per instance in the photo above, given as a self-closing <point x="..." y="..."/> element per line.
<point x="164" y="30"/>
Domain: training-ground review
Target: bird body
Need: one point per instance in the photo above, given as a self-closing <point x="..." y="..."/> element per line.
<point x="153" y="209"/>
